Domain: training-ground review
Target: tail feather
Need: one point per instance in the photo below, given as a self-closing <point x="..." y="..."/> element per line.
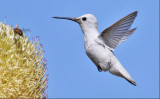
<point x="118" y="70"/>
<point x="132" y="82"/>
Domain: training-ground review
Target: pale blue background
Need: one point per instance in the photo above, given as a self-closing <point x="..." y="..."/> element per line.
<point x="71" y="73"/>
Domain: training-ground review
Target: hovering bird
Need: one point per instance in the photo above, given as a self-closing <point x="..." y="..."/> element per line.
<point x="99" y="47"/>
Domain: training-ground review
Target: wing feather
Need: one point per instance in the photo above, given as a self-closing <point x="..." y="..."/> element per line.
<point x="117" y="33"/>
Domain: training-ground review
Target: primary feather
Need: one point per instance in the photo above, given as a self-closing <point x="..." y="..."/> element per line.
<point x="118" y="32"/>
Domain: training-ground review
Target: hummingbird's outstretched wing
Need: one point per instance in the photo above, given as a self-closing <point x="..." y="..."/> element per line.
<point x="118" y="32"/>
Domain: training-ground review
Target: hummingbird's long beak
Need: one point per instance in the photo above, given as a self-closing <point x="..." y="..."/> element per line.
<point x="67" y="18"/>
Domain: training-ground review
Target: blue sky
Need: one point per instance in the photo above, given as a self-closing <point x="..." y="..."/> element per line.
<point x="71" y="72"/>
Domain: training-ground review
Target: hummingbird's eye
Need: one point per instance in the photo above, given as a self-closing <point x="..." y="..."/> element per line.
<point x="84" y="18"/>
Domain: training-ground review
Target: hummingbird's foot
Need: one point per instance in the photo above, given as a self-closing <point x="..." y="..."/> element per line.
<point x="99" y="68"/>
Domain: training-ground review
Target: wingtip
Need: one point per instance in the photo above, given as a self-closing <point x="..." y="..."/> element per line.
<point x="134" y="29"/>
<point x="135" y="13"/>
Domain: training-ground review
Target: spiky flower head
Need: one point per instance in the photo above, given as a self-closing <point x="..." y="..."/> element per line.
<point x="22" y="66"/>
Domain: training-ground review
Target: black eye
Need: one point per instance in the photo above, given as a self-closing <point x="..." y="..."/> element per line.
<point x="84" y="18"/>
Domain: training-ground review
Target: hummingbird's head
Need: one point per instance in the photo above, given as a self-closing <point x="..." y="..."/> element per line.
<point x="87" y="21"/>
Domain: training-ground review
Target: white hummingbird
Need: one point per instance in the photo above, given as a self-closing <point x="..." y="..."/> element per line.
<point x="99" y="47"/>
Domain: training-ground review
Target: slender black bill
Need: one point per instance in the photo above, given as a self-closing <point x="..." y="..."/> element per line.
<point x="67" y="18"/>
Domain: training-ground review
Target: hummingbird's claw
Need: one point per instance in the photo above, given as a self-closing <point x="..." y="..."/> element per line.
<point x="99" y="68"/>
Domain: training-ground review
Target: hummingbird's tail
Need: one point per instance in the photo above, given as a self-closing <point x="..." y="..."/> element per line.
<point x="118" y="70"/>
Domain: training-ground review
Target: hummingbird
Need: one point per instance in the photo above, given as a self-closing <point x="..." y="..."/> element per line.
<point x="99" y="47"/>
